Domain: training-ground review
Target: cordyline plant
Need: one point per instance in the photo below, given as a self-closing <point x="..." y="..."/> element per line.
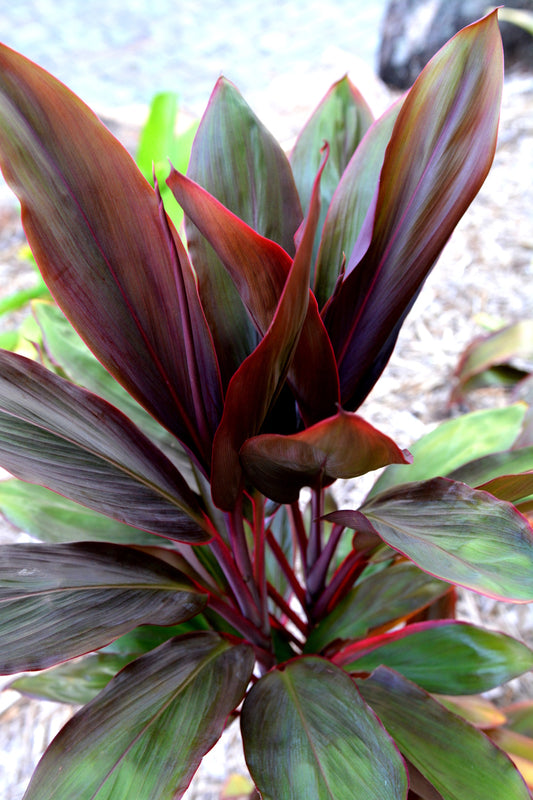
<point x="217" y="591"/>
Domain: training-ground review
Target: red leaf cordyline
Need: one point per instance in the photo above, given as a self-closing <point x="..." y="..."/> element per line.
<point x="249" y="381"/>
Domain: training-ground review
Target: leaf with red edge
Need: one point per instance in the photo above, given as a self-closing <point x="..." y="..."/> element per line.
<point x="460" y="761"/>
<point x="61" y="601"/>
<point x="259" y="269"/>
<point x="306" y="733"/>
<point x="461" y="535"/>
<point x="145" y="734"/>
<point x="258" y="381"/>
<point x="343" y="446"/>
<point x="341" y="119"/>
<point x="61" y="436"/>
<point x="440" y="151"/>
<point x="512" y="488"/>
<point x="442" y="656"/>
<point x="350" y="213"/>
<point x="238" y="161"/>
<point x="93" y="224"/>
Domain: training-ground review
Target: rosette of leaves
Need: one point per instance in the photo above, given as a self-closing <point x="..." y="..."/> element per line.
<point x="180" y="581"/>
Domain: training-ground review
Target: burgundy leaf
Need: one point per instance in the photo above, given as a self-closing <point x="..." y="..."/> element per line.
<point x="58" y="435"/>
<point x="258" y="381"/>
<point x="93" y="224"/>
<point x="259" y="269"/>
<point x="343" y="446"/>
<point x="439" y="154"/>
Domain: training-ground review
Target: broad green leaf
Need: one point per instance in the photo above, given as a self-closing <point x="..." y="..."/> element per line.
<point x="352" y="205"/>
<point x="259" y="270"/>
<point x="307" y="734"/>
<point x="259" y="380"/>
<point x="58" y="435"/>
<point x="75" y="682"/>
<point x="519" y="717"/>
<point x="343" y="446"/>
<point x="513" y="488"/>
<point x="455" y="443"/>
<point x="438" y="156"/>
<point x="460" y="761"/>
<point x="145" y="734"/>
<point x="159" y="144"/>
<point x="383" y="598"/>
<point x="458" y="534"/>
<point x="443" y="657"/>
<point x="69" y="352"/>
<point x="52" y="518"/>
<point x="475" y="709"/>
<point x="485" y="469"/>
<point x="95" y="229"/>
<point x="341" y="119"/>
<point x="519" y="749"/>
<point x="60" y="601"/>
<point x="240" y="163"/>
<point x="513" y="343"/>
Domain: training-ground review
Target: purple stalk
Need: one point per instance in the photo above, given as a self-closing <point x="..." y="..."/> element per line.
<point x="316" y="579"/>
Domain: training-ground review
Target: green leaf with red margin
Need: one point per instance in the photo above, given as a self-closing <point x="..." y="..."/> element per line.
<point x="341" y="119"/>
<point x="458" y="534"/>
<point x="145" y="734"/>
<point x="512" y="345"/>
<point x="49" y="517"/>
<point x="487" y="468"/>
<point x="460" y="761"/>
<point x="60" y="601"/>
<point x="343" y="446"/>
<point x="238" y="161"/>
<point x="453" y="448"/>
<point x="307" y="733"/>
<point x="350" y="213"/>
<point x="384" y="598"/>
<point x="58" y="435"/>
<point x="93" y="224"/>
<point x="438" y="156"/>
<point x="259" y="269"/>
<point x="259" y="379"/>
<point x="442" y="656"/>
<point x="513" y="488"/>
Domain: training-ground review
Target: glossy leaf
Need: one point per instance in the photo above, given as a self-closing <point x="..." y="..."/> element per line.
<point x="52" y="518"/>
<point x="444" y="657"/>
<point x="343" y="446"/>
<point x="341" y="119"/>
<point x="75" y="682"/>
<point x="94" y="227"/>
<point x="145" y="734"/>
<point x="58" y="435"/>
<point x="68" y="352"/>
<point x="438" y="156"/>
<point x="437" y="741"/>
<point x="60" y="601"/>
<point x="240" y="163"/>
<point x="458" y="534"/>
<point x="350" y="213"/>
<point x="383" y="598"/>
<point x="306" y="733"/>
<point x="258" y="381"/>
<point x="259" y="268"/>
<point x="454" y="443"/>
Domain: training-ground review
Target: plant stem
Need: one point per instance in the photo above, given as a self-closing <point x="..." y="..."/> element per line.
<point x="240" y="590"/>
<point x="341" y="583"/>
<point x="286" y="568"/>
<point x="259" y="557"/>
<point x="299" y="529"/>
<point x="241" y="553"/>
<point x="289" y="612"/>
<point x="314" y="548"/>
<point x="317" y="576"/>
